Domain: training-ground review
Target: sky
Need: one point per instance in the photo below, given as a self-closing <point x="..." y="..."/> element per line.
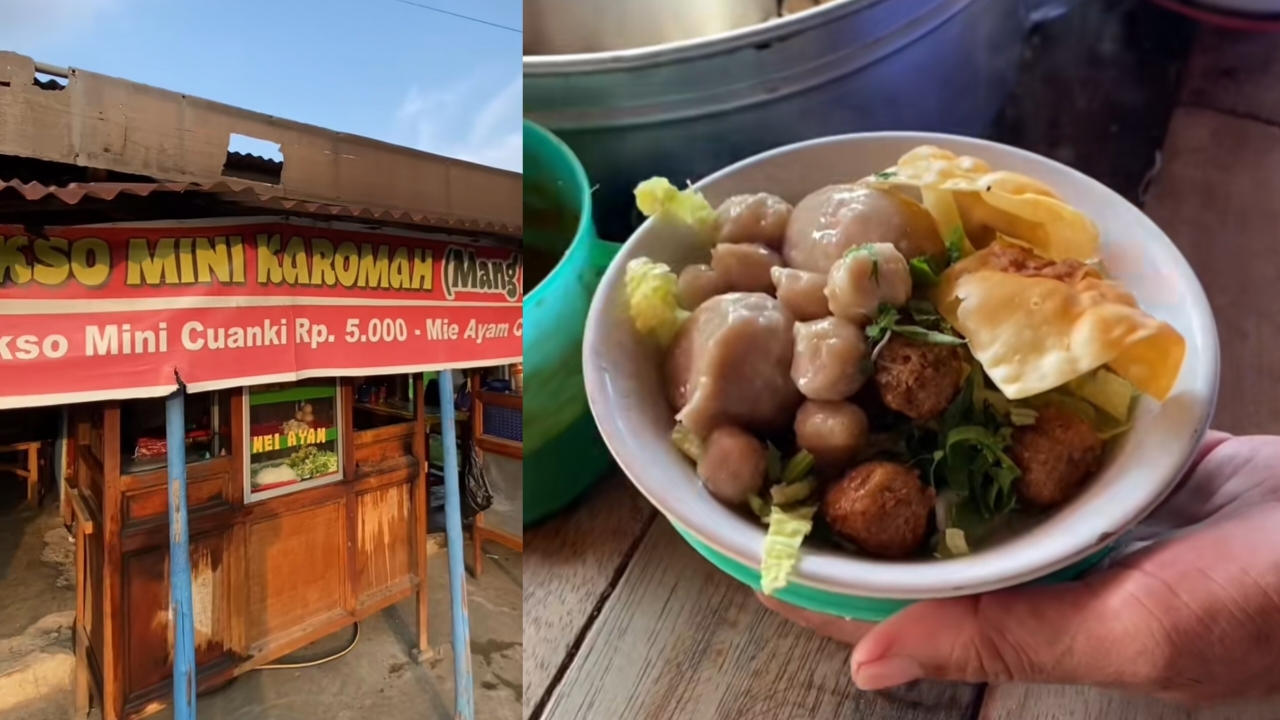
<point x="384" y="69"/>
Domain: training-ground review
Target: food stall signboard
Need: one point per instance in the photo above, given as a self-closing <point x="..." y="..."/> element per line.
<point x="112" y="311"/>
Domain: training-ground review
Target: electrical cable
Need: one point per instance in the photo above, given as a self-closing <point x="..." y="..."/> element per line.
<point x="313" y="663"/>
<point x="508" y="28"/>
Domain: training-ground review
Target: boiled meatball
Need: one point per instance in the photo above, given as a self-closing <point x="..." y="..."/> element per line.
<point x="882" y="507"/>
<point x="830" y="360"/>
<point x="730" y="364"/>
<point x="1056" y="455"/>
<point x="918" y="379"/>
<point x="833" y="432"/>
<point x="745" y="267"/>
<point x="834" y="219"/>
<point x="803" y="293"/>
<point x="759" y="219"/>
<point x="698" y="284"/>
<point x="733" y="465"/>
<point x="866" y="277"/>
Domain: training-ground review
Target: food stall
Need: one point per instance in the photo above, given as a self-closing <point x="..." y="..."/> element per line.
<point x="266" y="376"/>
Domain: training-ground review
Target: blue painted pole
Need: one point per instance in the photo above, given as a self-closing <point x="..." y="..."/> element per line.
<point x="180" y="613"/>
<point x="464" y="705"/>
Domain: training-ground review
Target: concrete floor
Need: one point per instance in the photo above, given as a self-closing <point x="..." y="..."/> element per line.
<point x="376" y="679"/>
<point x="36" y="577"/>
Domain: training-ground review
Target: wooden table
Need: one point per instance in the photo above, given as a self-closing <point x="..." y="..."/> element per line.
<point x="624" y="621"/>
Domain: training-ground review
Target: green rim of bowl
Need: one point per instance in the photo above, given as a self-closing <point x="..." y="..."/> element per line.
<point x="852" y="607"/>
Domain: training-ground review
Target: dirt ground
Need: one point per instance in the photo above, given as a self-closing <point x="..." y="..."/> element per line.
<point x="376" y="679"/>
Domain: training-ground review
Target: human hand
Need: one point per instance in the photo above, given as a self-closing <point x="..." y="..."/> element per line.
<point x="1192" y="617"/>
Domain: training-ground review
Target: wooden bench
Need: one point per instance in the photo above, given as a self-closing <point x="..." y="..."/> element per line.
<point x="28" y="466"/>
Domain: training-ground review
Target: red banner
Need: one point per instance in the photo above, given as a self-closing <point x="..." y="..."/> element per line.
<point x="112" y="311"/>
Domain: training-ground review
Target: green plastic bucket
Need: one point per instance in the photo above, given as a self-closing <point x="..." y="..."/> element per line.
<point x="850" y="607"/>
<point x="563" y="452"/>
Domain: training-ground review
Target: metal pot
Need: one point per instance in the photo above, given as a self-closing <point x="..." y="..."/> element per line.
<point x="685" y="109"/>
<point x="559" y="27"/>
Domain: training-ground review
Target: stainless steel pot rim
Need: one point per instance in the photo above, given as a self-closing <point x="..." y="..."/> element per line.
<point x="665" y="53"/>
<point x="785" y="82"/>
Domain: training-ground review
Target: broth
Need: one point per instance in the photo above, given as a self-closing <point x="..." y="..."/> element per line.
<point x="538" y="264"/>
<point x="549" y="230"/>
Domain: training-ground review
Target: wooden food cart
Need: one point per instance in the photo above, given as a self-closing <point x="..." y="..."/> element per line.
<point x="307" y="511"/>
<point x="208" y="319"/>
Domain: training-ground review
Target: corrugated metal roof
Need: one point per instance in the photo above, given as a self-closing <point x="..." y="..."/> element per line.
<point x="245" y="193"/>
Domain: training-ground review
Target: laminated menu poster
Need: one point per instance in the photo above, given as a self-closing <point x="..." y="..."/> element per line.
<point x="113" y="311"/>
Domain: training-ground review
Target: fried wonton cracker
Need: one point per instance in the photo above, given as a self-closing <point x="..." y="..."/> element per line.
<point x="1037" y="327"/>
<point x="992" y="203"/>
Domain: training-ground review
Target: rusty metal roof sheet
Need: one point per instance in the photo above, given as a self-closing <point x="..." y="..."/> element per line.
<point x="246" y="193"/>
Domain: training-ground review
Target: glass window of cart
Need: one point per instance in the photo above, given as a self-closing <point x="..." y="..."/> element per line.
<point x="382" y="400"/>
<point x="293" y="437"/>
<point x="143" y="447"/>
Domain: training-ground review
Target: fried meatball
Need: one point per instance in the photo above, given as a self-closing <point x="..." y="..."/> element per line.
<point x="730" y="364"/>
<point x="833" y="432"/>
<point x="918" y="379"/>
<point x="745" y="267"/>
<point x="760" y="219"/>
<point x="1056" y="455"/>
<point x="803" y="293"/>
<point x="698" y="284"/>
<point x="866" y="277"/>
<point x="829" y="362"/>
<point x="882" y="507"/>
<point x="733" y="465"/>
<point x="834" y="219"/>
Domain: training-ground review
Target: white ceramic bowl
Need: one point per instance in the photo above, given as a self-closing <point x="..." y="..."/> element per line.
<point x="624" y="384"/>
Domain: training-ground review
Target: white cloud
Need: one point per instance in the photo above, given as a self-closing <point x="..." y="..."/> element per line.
<point x="458" y="122"/>
<point x="23" y="22"/>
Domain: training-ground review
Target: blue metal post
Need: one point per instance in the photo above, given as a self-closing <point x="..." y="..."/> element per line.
<point x="464" y="705"/>
<point x="180" y="613"/>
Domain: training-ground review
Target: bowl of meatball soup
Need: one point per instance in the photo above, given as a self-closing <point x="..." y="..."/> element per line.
<point x="866" y="370"/>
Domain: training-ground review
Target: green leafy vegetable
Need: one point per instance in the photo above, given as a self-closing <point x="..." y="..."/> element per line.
<point x="792" y="493"/>
<point x="311" y="462"/>
<point x="919" y="334"/>
<point x="773" y="463"/>
<point x="885" y="175"/>
<point x="1022" y="416"/>
<point x="687" y="442"/>
<point x="926" y="315"/>
<point x="1107" y="391"/>
<point x="871" y="253"/>
<point x="658" y="197"/>
<point x="1108" y="432"/>
<point x="886" y="317"/>
<point x="651" y="299"/>
<point x="955" y="244"/>
<point x="969" y="452"/>
<point x="954" y="541"/>
<point x="887" y="322"/>
<point x="787" y="531"/>
<point x="1066" y="401"/>
<point x="923" y="273"/>
<point x="760" y="507"/>
<point x="977" y="467"/>
<point x="799" y="466"/>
